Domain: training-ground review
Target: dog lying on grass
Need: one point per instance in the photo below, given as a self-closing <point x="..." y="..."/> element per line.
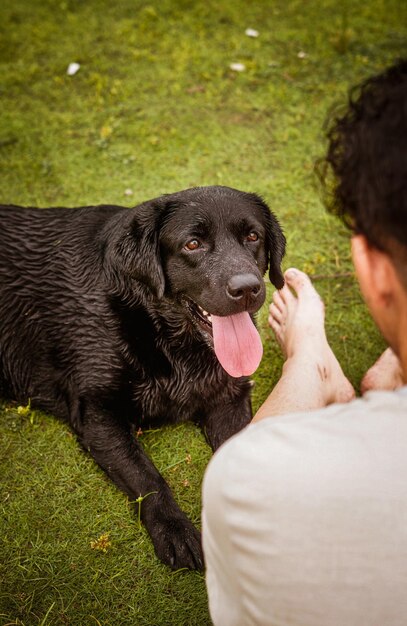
<point x="114" y="318"/>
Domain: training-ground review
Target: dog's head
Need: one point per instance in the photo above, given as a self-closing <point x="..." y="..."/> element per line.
<point x="207" y="249"/>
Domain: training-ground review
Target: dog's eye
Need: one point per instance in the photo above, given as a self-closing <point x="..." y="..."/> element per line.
<point x="252" y="236"/>
<point x="192" y="245"/>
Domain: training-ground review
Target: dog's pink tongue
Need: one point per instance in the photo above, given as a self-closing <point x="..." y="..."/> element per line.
<point x="237" y="344"/>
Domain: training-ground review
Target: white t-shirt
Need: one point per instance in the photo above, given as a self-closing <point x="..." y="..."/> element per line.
<point x="305" y="518"/>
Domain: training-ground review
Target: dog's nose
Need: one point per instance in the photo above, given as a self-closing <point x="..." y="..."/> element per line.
<point x="243" y="286"/>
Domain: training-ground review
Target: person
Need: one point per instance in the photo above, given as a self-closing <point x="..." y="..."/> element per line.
<point x="305" y="511"/>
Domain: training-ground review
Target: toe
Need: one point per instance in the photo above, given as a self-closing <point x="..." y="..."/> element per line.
<point x="275" y="325"/>
<point x="285" y="297"/>
<point x="301" y="283"/>
<point x="297" y="279"/>
<point x="277" y="302"/>
<point x="275" y="313"/>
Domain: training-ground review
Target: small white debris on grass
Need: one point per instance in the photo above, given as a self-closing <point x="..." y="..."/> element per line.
<point x="302" y="54"/>
<point x="73" y="68"/>
<point x="237" y="67"/>
<point x="251" y="32"/>
<point x="128" y="192"/>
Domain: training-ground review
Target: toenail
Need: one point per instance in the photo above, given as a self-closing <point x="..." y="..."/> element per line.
<point x="291" y="273"/>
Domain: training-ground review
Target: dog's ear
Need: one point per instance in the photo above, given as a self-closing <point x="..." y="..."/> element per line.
<point x="276" y="251"/>
<point x="133" y="246"/>
<point x="275" y="244"/>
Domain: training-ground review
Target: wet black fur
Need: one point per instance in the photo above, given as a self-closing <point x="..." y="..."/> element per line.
<point x="95" y="328"/>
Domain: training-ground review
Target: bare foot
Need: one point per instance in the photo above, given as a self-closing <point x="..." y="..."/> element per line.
<point x="297" y="320"/>
<point x="385" y="374"/>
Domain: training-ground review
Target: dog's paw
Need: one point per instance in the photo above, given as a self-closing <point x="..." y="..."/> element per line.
<point x="177" y="543"/>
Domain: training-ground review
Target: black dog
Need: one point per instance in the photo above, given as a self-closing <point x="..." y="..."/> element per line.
<point x="112" y="318"/>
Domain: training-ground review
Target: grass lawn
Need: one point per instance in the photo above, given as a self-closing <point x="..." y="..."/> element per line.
<point x="155" y="108"/>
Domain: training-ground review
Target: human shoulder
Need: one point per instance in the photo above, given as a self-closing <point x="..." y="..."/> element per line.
<point x="335" y="441"/>
<point x="350" y="417"/>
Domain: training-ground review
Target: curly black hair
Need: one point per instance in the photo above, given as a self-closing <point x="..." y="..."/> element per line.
<point x="364" y="173"/>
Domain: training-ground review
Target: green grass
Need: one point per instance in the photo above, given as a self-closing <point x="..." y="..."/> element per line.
<point x="155" y="108"/>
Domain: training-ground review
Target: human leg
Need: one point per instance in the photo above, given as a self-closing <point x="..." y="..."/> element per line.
<point x="385" y="374"/>
<point x="312" y="377"/>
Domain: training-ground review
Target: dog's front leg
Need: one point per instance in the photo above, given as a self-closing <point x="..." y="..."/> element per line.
<point x="176" y="541"/>
<point x="226" y="419"/>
